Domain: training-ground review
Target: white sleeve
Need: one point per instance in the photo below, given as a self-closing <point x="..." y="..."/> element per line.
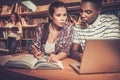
<point x="76" y="38"/>
<point x="113" y="28"/>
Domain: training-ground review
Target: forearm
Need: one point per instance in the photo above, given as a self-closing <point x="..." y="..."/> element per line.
<point x="76" y="55"/>
<point x="62" y="55"/>
<point x="19" y="31"/>
<point x="19" y="28"/>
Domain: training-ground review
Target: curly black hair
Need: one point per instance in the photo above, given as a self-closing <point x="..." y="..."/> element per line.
<point x="97" y="3"/>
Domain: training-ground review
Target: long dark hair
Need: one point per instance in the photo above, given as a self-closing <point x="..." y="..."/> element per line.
<point x="53" y="5"/>
<point x="16" y="16"/>
<point x="45" y="33"/>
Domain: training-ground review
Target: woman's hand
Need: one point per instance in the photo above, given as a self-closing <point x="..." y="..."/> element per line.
<point x="36" y="53"/>
<point x="52" y="58"/>
<point x="75" y="21"/>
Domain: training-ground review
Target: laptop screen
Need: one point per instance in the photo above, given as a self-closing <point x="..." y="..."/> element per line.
<point x="101" y="56"/>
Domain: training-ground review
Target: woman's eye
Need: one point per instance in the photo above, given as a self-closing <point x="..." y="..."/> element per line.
<point x="65" y="15"/>
<point x="58" y="15"/>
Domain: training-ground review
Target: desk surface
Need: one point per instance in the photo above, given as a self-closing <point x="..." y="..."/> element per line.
<point x="67" y="74"/>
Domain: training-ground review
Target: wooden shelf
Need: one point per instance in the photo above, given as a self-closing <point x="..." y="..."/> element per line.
<point x="21" y="39"/>
<point x="25" y="28"/>
<point x="36" y="14"/>
<point x="4" y="16"/>
<point x="71" y="7"/>
<point x="3" y="27"/>
<point x="3" y="39"/>
<point x="26" y="38"/>
<point x="29" y="26"/>
<point x="111" y="6"/>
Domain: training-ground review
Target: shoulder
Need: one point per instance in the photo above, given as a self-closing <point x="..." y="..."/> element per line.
<point x="19" y="23"/>
<point x="69" y="26"/>
<point x="107" y="17"/>
<point x="43" y="26"/>
<point x="77" y="27"/>
<point x="9" y="24"/>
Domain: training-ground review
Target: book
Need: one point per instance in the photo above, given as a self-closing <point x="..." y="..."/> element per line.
<point x="14" y="29"/>
<point x="3" y="49"/>
<point x="4" y="59"/>
<point x="28" y="61"/>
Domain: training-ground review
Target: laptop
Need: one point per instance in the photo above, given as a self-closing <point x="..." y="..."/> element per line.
<point x="99" y="56"/>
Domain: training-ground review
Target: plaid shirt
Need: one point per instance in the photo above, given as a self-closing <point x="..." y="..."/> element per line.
<point x="63" y="42"/>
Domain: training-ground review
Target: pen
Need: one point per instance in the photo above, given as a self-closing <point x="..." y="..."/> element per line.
<point x="36" y="46"/>
<point x="32" y="44"/>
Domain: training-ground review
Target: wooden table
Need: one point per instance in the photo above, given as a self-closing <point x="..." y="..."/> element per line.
<point x="67" y="74"/>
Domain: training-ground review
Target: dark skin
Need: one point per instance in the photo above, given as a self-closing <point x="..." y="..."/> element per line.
<point x="88" y="14"/>
<point x="76" y="51"/>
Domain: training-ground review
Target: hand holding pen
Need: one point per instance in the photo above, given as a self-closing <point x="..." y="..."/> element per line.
<point x="36" y="53"/>
<point x="34" y="50"/>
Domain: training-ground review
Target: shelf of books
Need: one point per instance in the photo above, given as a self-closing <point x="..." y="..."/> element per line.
<point x="112" y="7"/>
<point x="28" y="34"/>
<point x="109" y="2"/>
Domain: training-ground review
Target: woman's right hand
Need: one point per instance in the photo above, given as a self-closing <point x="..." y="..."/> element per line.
<point x="36" y="53"/>
<point x="78" y="21"/>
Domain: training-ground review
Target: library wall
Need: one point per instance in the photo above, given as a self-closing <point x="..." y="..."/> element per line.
<point x="111" y="7"/>
<point x="31" y="21"/>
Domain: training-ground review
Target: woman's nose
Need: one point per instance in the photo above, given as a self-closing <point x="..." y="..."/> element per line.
<point x="63" y="18"/>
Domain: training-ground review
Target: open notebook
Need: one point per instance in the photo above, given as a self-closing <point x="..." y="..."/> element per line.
<point x="99" y="56"/>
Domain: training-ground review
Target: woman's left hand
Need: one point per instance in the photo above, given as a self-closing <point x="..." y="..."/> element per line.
<point x="52" y="58"/>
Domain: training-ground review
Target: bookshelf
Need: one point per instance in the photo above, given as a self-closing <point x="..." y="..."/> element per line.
<point x="111" y="7"/>
<point x="28" y="34"/>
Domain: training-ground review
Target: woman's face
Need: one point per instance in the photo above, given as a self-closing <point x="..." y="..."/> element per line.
<point x="13" y="17"/>
<point x="59" y="17"/>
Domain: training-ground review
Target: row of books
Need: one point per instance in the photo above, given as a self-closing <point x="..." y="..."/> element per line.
<point x="27" y="32"/>
<point x="115" y="12"/>
<point x="8" y="9"/>
<point x="109" y="1"/>
<point x="20" y="9"/>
